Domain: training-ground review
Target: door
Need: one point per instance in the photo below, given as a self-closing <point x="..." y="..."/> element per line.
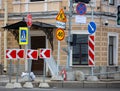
<point x="38" y="42"/>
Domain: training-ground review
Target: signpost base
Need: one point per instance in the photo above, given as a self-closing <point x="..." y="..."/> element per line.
<point x="17" y="85"/>
<point x="9" y="85"/>
<point x="28" y="85"/>
<point x="92" y="78"/>
<point x="44" y="85"/>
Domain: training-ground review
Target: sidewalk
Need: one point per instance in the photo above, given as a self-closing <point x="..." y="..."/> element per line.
<point x="65" y="84"/>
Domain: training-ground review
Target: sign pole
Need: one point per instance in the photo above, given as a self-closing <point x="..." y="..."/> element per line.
<point x="17" y="71"/>
<point x="29" y="47"/>
<point x="69" y="32"/>
<point x="58" y="59"/>
<point x="29" y="24"/>
<point x="10" y="72"/>
<point x="44" y="72"/>
<point x="92" y="15"/>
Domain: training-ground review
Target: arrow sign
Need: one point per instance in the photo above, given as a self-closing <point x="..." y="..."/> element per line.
<point x="45" y="53"/>
<point x="91" y="27"/>
<point x="32" y="54"/>
<point x="20" y="53"/>
<point x="11" y="53"/>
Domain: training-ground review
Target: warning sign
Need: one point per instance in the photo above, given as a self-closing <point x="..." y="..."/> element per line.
<point x="61" y="16"/>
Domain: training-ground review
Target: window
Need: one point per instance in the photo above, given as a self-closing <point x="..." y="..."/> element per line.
<point x="110" y="58"/>
<point x="0" y="4"/>
<point x="80" y="50"/>
<point x="36" y="0"/>
<point x="111" y="2"/>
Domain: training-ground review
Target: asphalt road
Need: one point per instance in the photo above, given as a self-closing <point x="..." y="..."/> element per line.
<point x="62" y="89"/>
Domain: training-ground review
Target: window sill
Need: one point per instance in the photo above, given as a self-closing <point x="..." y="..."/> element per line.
<point x="78" y="66"/>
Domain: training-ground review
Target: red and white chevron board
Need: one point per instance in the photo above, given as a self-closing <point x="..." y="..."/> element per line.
<point x="91" y="48"/>
<point x="45" y="53"/>
<point x="11" y="53"/>
<point x="20" y="53"/>
<point x="32" y="54"/>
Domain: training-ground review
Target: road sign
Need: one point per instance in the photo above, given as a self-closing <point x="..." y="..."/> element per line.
<point x="91" y="27"/>
<point x="60" y="24"/>
<point x="45" y="53"/>
<point x="20" y="53"/>
<point x="81" y="8"/>
<point x="61" y="16"/>
<point x="32" y="54"/>
<point x="60" y="34"/>
<point x="91" y="48"/>
<point x="11" y="53"/>
<point x="23" y="35"/>
<point x="29" y="20"/>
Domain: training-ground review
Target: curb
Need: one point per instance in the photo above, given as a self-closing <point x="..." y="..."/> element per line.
<point x="74" y="84"/>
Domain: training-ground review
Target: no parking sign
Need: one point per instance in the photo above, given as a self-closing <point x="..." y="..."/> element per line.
<point x="81" y="8"/>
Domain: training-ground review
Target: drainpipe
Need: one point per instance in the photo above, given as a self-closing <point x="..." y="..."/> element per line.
<point x="5" y="34"/>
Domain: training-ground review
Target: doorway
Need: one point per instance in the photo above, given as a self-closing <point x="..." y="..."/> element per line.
<point x="38" y="42"/>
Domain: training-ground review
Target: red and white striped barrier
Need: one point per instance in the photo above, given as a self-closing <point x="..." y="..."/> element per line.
<point x="91" y="48"/>
<point x="64" y="74"/>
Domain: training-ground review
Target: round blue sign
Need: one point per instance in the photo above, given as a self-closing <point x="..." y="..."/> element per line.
<point x="81" y="8"/>
<point x="91" y="27"/>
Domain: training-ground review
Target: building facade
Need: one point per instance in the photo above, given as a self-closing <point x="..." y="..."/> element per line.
<point x="107" y="40"/>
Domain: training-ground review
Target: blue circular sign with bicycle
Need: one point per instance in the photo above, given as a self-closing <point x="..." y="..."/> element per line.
<point x="81" y="8"/>
<point x="91" y="27"/>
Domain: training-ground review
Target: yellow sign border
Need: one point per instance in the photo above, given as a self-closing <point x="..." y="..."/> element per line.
<point x="26" y="29"/>
<point x="61" y="11"/>
<point x="60" y="29"/>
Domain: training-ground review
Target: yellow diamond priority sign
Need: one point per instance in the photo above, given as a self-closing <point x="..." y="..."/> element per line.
<point x="61" y="16"/>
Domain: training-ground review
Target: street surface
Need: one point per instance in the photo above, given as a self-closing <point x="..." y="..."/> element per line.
<point x="62" y="89"/>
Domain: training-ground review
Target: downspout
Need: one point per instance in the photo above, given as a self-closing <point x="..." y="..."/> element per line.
<point x="5" y="34"/>
<point x="101" y="32"/>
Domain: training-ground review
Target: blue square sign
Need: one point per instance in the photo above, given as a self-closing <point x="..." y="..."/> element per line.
<point x="23" y="35"/>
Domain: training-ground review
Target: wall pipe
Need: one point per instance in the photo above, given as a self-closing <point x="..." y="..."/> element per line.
<point x="5" y="34"/>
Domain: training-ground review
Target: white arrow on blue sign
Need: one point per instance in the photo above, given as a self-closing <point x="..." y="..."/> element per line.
<point x="91" y="27"/>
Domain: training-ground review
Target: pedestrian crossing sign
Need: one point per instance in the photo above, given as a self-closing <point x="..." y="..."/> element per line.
<point x="61" y="16"/>
<point x="23" y="35"/>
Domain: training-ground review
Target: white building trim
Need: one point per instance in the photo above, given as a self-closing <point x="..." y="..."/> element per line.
<point x="115" y="49"/>
<point x="0" y="4"/>
<point x="76" y="32"/>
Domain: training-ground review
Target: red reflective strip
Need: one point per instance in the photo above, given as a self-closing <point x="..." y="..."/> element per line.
<point x="91" y="55"/>
<point x="91" y="45"/>
<point x="92" y="37"/>
<point x="90" y="63"/>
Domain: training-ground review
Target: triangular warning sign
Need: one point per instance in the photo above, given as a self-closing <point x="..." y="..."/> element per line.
<point x="61" y="16"/>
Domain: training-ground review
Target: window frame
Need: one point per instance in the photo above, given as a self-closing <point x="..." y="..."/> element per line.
<point x="111" y="2"/>
<point x="77" y="32"/>
<point x="0" y="4"/>
<point x="115" y="48"/>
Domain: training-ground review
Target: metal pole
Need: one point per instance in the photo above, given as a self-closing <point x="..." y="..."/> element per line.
<point x="92" y="16"/>
<point x="44" y="72"/>
<point x="58" y="59"/>
<point x="29" y="47"/>
<point x="10" y="72"/>
<point x="17" y="71"/>
<point x="69" y="32"/>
